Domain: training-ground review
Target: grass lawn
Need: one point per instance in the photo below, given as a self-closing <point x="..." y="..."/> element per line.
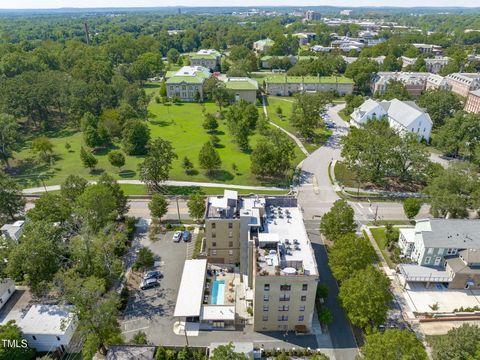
<point x="345" y="176"/>
<point x="285" y="103"/>
<point x="380" y="239"/>
<point x="344" y="116"/>
<point x="181" y="124"/>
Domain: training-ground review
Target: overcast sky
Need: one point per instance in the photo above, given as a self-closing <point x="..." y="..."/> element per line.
<point x="48" y="4"/>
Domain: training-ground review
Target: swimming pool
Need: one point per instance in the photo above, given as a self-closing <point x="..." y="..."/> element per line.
<point x="218" y="291"/>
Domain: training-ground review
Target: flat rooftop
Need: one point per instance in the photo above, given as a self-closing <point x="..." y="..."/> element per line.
<point x="189" y="299"/>
<point x="284" y="245"/>
<point x="46" y="319"/>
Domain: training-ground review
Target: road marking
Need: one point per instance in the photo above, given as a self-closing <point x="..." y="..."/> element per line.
<point x="137" y="329"/>
<point x="361" y="206"/>
<point x="370" y="209"/>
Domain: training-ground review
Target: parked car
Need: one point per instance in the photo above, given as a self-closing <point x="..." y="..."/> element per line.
<point x="177" y="236"/>
<point x="152" y="275"/>
<point x="186" y="236"/>
<point x="149" y="283"/>
<point x="330" y="124"/>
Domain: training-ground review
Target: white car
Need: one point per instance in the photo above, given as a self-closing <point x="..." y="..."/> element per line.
<point x="177" y="236"/>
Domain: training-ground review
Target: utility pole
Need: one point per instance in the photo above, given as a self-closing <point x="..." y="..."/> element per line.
<point x="87" y="36"/>
<point x="178" y="212"/>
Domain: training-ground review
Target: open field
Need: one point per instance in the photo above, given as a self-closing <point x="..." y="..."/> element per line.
<point x="181" y="124"/>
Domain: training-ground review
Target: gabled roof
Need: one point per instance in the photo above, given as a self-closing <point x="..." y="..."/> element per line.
<point x="404" y="112"/>
<point x="241" y="84"/>
<point x="266" y="41"/>
<point x="189" y="74"/>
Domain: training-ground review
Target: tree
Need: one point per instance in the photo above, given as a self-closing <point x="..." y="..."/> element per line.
<point x="158" y="206"/>
<point x="361" y="72"/>
<point x="116" y="158"/>
<point x="73" y="187"/>
<point x="11" y="199"/>
<point x="209" y="158"/>
<point x="226" y="352"/>
<point x="365" y="296"/>
<point x="306" y="112"/>
<point x="145" y="259"/>
<point x="121" y="199"/>
<point x="157" y="165"/>
<point x="163" y="90"/>
<point x="338" y="221"/>
<point x="11" y="332"/>
<point x="196" y="205"/>
<point x="411" y="207"/>
<point x="396" y="90"/>
<point x="43" y="147"/>
<point x="210" y="124"/>
<point x="173" y="55"/>
<point x="140" y="338"/>
<point x="187" y="165"/>
<point x="97" y="206"/>
<point x="440" y="105"/>
<point x="88" y="159"/>
<point x="349" y="254"/>
<point x="279" y="111"/>
<point x="459" y="343"/>
<point x="393" y="344"/>
<point x="273" y="156"/>
<point x="135" y="137"/>
<point x="50" y="207"/>
<point x="37" y="257"/>
<point x="9" y="137"/>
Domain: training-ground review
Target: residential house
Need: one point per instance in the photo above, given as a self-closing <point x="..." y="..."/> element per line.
<point x="321" y="49"/>
<point x="262" y="46"/>
<point x="463" y="83"/>
<point x="242" y="88"/>
<point x="207" y="58"/>
<point x="13" y="231"/>
<point x="443" y="251"/>
<point x="283" y="85"/>
<point x="414" y="82"/>
<point x="403" y="116"/>
<point x="7" y="288"/>
<point x="187" y="83"/>
<point x="304" y="37"/>
<point x="48" y="328"/>
<point x="472" y="105"/>
<point x="429" y="48"/>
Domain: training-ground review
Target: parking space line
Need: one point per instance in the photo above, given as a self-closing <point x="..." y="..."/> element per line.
<point x="137" y="329"/>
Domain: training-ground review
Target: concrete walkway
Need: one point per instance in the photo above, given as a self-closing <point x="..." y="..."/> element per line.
<point x="293" y="137"/>
<point x="168" y="183"/>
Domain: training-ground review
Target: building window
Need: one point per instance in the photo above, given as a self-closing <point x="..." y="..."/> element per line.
<point x="283" y="308"/>
<point x="440" y="251"/>
<point x="265" y="318"/>
<point x="58" y="338"/>
<point x="427" y="260"/>
<point x="304" y="287"/>
<point x="33" y="337"/>
<point x="285" y="297"/>
<point x="230" y="243"/>
<point x="214" y="225"/>
<point x="302" y="308"/>
<point x="214" y="235"/>
<point x="230" y="234"/>
<point x="230" y="252"/>
<point x="300" y="318"/>
<point x="214" y="252"/>
<point x="265" y="307"/>
<point x="230" y="225"/>
<point x="303" y="298"/>
<point x="282" y="318"/>
<point x="214" y="244"/>
<point x="285" y="287"/>
<point x="451" y="251"/>
<point x="266" y="287"/>
<point x="265" y="297"/>
<point x="430" y="251"/>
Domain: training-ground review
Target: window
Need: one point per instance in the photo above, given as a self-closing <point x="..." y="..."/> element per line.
<point x="9" y="291"/>
<point x="282" y="318"/>
<point x="184" y="87"/>
<point x="230" y="252"/>
<point x="440" y="251"/>
<point x="214" y="225"/>
<point x="265" y="307"/>
<point x="230" y="225"/>
<point x="430" y="251"/>
<point x="302" y="308"/>
<point x="214" y="235"/>
<point x="283" y="308"/>
<point x="285" y="297"/>
<point x="265" y="297"/>
<point x="265" y="318"/>
<point x="427" y="260"/>
<point x="230" y="234"/>
<point x="303" y="298"/>
<point x="300" y="318"/>
<point x="214" y="252"/>
<point x="58" y="338"/>
<point x="285" y="287"/>
<point x="214" y="243"/>
<point x="451" y="251"/>
<point x="304" y="287"/>
<point x="266" y="287"/>
<point x="33" y="337"/>
<point x="230" y="244"/>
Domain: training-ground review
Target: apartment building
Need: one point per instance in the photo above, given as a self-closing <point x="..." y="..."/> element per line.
<point x="436" y="82"/>
<point x="432" y="65"/>
<point x="463" y="83"/>
<point x="208" y="58"/>
<point x="414" y="82"/>
<point x="266" y="240"/>
<point x="187" y="83"/>
<point x="429" y="48"/>
<point x="311" y="15"/>
<point x="472" y="105"/>
<point x="283" y="85"/>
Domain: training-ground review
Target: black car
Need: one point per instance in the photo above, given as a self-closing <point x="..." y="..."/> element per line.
<point x="149" y="283"/>
<point x="152" y="275"/>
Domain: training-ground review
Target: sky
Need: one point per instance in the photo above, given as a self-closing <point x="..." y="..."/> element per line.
<point x="51" y="4"/>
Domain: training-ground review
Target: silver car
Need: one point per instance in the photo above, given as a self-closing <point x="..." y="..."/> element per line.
<point x="177" y="236"/>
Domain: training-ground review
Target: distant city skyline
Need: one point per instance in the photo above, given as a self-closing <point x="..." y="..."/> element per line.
<point x="53" y="4"/>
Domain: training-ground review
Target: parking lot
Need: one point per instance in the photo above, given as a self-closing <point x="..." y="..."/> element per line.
<point x="151" y="311"/>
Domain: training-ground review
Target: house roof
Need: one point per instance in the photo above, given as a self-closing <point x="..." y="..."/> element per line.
<point x="46" y="319"/>
<point x="475" y="93"/>
<point x="450" y="233"/>
<point x="241" y="84"/>
<point x="459" y="267"/>
<point x="205" y="54"/>
<point x="189" y="74"/>
<point x="405" y="112"/>
<point x="190" y="292"/>
<point x="264" y="42"/>
<point x="281" y="79"/>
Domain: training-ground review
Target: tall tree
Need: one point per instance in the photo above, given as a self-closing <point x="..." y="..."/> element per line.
<point x="73" y="187"/>
<point x="227" y="352"/>
<point x="393" y="344"/>
<point x="88" y="159"/>
<point x="338" y="221"/>
<point x="11" y="199"/>
<point x="158" y="206"/>
<point x="459" y="343"/>
<point x="43" y="147"/>
<point x="50" y="207"/>
<point x="97" y="206"/>
<point x="11" y="332"/>
<point x="411" y="207"/>
<point x="196" y="205"/>
<point x="306" y="112"/>
<point x="440" y="105"/>
<point x="157" y="165"/>
<point x="136" y="136"/>
<point x="209" y="158"/>
<point x="9" y="137"/>
<point x="121" y="199"/>
<point x="396" y="90"/>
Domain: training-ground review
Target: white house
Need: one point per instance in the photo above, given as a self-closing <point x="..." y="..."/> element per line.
<point x="13" y="231"/>
<point x="403" y="116"/>
<point x="48" y="327"/>
<point x="7" y="288"/>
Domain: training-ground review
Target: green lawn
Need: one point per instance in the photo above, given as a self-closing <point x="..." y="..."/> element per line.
<point x="380" y="239"/>
<point x="285" y="103"/>
<point x="181" y="124"/>
<point x="345" y="176"/>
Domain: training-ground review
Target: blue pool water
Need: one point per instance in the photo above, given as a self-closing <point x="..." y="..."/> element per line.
<point x="218" y="291"/>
